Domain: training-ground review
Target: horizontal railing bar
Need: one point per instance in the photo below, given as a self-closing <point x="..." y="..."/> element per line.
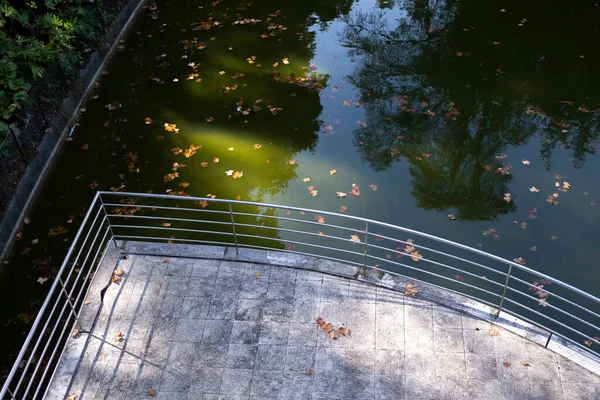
<point x="557" y="296"/>
<point x="295" y="231"/>
<point x="163" y="218"/>
<point x="544" y="316"/>
<point x="301" y="243"/>
<point x="378" y="223"/>
<point x="205" y="221"/>
<point x="67" y="278"/>
<point x="552" y="331"/>
<point x="125" y="237"/>
<point x="163" y="228"/>
<point x="45" y="305"/>
<point x="552" y="306"/>
<point x="165" y="208"/>
<point x="72" y="310"/>
<point x="436" y="275"/>
<point x="445" y="266"/>
<point x="437" y="252"/>
<point x="300" y="221"/>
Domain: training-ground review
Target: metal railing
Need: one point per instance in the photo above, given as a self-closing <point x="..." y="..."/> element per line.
<point x="507" y="286"/>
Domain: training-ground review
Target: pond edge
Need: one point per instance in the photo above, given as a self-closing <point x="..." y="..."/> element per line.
<point x="67" y="115"/>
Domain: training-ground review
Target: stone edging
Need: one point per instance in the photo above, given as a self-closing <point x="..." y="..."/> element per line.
<point x="66" y="117"/>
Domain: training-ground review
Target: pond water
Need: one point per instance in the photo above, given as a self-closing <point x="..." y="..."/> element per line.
<point x="474" y="121"/>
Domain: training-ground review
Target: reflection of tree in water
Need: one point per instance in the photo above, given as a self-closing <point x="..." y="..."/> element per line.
<point x="438" y="92"/>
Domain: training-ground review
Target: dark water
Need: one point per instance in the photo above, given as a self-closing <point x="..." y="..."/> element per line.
<point x="463" y="108"/>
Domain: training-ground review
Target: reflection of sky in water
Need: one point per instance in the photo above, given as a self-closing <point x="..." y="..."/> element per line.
<point x="573" y="221"/>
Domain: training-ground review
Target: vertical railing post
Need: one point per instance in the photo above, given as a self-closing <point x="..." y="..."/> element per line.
<point x="233" y="228"/>
<point x="366" y="247"/>
<point x="497" y="314"/>
<point x="548" y="341"/>
<point x="112" y="234"/>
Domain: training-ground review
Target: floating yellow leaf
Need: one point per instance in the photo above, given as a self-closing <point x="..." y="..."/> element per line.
<point x="285" y="61"/>
<point x="257" y="146"/>
<point x="341" y="195"/>
<point x="307" y="179"/>
<point x="237" y="175"/>
<point x="333" y="171"/>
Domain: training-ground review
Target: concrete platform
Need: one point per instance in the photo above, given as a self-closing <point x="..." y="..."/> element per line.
<point x="190" y="328"/>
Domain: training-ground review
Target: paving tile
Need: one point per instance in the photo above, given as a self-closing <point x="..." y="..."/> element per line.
<point x="389" y="362"/>
<point x="182" y="353"/>
<point x="445" y="317"/>
<point x="360" y="361"/>
<point x="281" y="290"/>
<point x="266" y="384"/>
<point x="390" y="387"/>
<point x="205" y="268"/>
<point x="454" y="388"/>
<point x="277" y="310"/>
<point x="273" y="332"/>
<point x="189" y="330"/>
<point x="361" y="292"/>
<point x="236" y="381"/>
<point x="270" y="358"/>
<point x="300" y="358"/>
<point x="329" y="386"/>
<point x="515" y="389"/>
<point x="297" y="385"/>
<point x="449" y="365"/>
<point x="448" y="340"/>
<point x="418" y="314"/>
<point x="222" y="308"/>
<point x="390" y="336"/>
<point x="176" y="378"/>
<point x="543" y="368"/>
<point x="359" y="386"/>
<point x="249" y="310"/>
<point x="217" y="331"/>
<point x="254" y="288"/>
<point x="481" y="366"/>
<point x="305" y="311"/>
<point x="419" y="363"/>
<point x="200" y="287"/>
<point x="571" y="372"/>
<point x="210" y="354"/>
<point x="245" y="332"/>
<point x="421" y="387"/>
<point x="580" y="391"/>
<point x="195" y="307"/>
<point x="478" y="341"/>
<point x="241" y="356"/>
<point x="333" y="290"/>
<point x="180" y="266"/>
<point x="304" y="334"/>
<point x="551" y="390"/>
<point x="480" y="389"/>
<point x="307" y="290"/>
<point x="280" y="274"/>
<point x="174" y="286"/>
<point x="168" y="307"/>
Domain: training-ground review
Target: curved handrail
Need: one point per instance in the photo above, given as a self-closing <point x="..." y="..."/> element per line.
<point x="144" y="216"/>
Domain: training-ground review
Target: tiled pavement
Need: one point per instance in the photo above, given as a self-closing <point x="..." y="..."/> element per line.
<point x="210" y="329"/>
